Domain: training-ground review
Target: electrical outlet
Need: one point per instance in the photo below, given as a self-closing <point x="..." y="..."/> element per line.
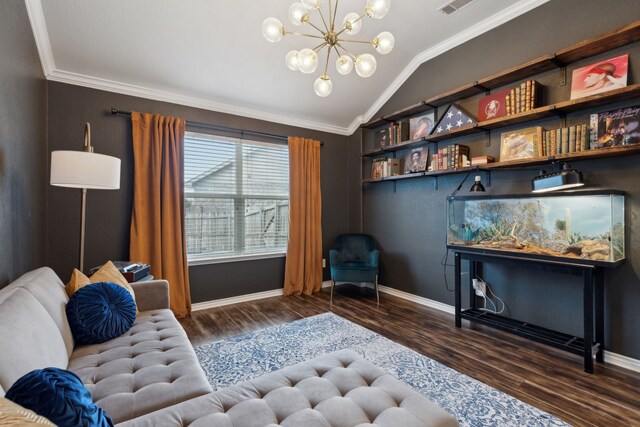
<point x="324" y="263"/>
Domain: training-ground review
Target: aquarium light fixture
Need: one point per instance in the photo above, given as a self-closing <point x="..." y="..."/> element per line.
<point x="563" y="179"/>
<point x="477" y="185"/>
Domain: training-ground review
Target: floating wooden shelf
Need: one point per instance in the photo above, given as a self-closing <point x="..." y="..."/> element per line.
<point x="464" y="130"/>
<point x="616" y="95"/>
<point x="396" y="147"/>
<point x="393" y="178"/>
<point x="527" y="116"/>
<point x="585" y="49"/>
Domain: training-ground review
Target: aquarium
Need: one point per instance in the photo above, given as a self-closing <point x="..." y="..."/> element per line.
<point x="580" y="225"/>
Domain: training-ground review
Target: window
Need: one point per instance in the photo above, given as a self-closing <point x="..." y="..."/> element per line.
<point x="236" y="197"/>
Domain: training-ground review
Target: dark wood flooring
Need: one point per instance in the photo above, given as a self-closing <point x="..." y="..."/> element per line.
<point x="544" y="377"/>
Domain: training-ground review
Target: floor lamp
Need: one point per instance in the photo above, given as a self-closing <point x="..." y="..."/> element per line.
<point x="84" y="169"/>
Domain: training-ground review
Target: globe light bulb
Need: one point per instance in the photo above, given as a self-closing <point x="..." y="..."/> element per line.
<point x="384" y="42"/>
<point x="366" y="65"/>
<point x="344" y="65"/>
<point x="377" y="9"/>
<point x="272" y="30"/>
<point x="307" y="61"/>
<point x="313" y="4"/>
<point x="292" y="60"/>
<point x="352" y="20"/>
<point x="323" y="86"/>
<point x="298" y="14"/>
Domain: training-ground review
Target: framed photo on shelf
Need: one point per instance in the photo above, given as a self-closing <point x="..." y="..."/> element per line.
<point x="520" y="144"/>
<point x="421" y="126"/>
<point x="381" y="137"/>
<point x="416" y="160"/>
<point x="615" y="128"/>
<point x="600" y="77"/>
<point x="493" y="106"/>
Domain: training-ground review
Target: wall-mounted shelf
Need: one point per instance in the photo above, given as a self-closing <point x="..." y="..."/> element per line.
<point x="585" y="49"/>
<point x="396" y="147"/>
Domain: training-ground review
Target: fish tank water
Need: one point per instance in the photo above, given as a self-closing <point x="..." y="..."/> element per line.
<point x="579" y="225"/>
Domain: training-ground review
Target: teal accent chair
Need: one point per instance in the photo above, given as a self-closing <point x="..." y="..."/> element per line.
<point x="354" y="258"/>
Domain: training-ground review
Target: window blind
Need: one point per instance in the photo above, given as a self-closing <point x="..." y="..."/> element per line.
<point x="236" y="196"/>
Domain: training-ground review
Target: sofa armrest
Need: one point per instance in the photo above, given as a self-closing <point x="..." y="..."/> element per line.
<point x="151" y="295"/>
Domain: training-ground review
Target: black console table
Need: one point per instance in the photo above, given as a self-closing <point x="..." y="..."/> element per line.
<point x="592" y="342"/>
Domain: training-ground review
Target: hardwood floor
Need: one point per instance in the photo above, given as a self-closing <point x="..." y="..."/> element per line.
<point x="544" y="377"/>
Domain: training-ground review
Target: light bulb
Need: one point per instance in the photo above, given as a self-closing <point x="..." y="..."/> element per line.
<point x="298" y="14"/>
<point x="292" y="60"/>
<point x="323" y="86"/>
<point x="307" y="61"/>
<point x="272" y="30"/>
<point x="366" y="65"/>
<point x="344" y="65"/>
<point x="384" y="42"/>
<point x="377" y="9"/>
<point x="313" y="4"/>
<point x="355" y="23"/>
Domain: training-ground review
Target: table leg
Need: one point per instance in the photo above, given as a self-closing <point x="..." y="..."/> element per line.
<point x="473" y="302"/>
<point x="599" y="308"/>
<point x="458" y="294"/>
<point x="587" y="278"/>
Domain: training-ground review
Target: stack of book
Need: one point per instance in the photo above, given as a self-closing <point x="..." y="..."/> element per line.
<point x="523" y="98"/>
<point x="398" y="132"/>
<point x="451" y="157"/>
<point x="564" y="140"/>
<point x="383" y="167"/>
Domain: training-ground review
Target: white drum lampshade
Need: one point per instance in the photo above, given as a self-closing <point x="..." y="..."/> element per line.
<point x="79" y="169"/>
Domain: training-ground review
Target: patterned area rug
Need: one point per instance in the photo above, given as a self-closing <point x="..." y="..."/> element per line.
<point x="473" y="403"/>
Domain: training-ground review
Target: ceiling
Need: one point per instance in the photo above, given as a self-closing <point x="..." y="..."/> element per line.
<point x="211" y="54"/>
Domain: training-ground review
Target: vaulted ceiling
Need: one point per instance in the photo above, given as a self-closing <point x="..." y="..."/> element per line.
<point x="211" y="53"/>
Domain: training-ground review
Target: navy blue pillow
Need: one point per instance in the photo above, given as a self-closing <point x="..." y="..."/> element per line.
<point x="59" y="396"/>
<point x="100" y="311"/>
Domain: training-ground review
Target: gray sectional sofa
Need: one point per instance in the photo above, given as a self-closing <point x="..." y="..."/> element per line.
<point x="150" y="376"/>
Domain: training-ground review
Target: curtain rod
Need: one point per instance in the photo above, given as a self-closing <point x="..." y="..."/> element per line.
<point x="115" y="111"/>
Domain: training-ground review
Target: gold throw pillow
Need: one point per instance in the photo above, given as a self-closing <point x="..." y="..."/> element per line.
<point x="107" y="273"/>
<point x="12" y="414"/>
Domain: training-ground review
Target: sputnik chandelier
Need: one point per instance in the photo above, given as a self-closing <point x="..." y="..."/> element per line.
<point x="306" y="60"/>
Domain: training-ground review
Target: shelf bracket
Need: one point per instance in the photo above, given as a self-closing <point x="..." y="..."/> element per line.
<point x="563" y="81"/>
<point x="487" y="176"/>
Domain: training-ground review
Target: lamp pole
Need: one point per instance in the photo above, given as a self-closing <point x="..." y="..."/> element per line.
<point x="83" y="204"/>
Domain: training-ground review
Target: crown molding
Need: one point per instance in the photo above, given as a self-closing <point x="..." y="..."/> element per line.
<point x="480" y="28"/>
<point x="43" y="44"/>
<point x="41" y="36"/>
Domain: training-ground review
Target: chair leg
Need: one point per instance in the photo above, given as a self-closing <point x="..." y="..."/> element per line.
<point x="333" y="283"/>
<point x="376" y="286"/>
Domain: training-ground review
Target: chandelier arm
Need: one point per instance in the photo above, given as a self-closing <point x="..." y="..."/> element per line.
<point x="326" y="65"/>
<point x="335" y="13"/>
<point x="346" y="50"/>
<point x="305" y="35"/>
<point x="320" y="46"/>
<point x="345" y="28"/>
<point x="330" y="28"/>
<point x="356" y="41"/>
<point x="311" y="23"/>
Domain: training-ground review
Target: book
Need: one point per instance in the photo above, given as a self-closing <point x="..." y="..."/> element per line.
<point x="552" y="149"/>
<point x="527" y="98"/>
<point x="517" y="100"/>
<point x="523" y="95"/>
<point x="572" y="139"/>
<point x="381" y="137"/>
<point x="377" y="167"/>
<point x="584" y="146"/>
<point x="565" y="140"/>
<point x="481" y="160"/>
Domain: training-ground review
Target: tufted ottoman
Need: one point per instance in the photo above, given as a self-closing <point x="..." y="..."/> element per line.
<point x="335" y="390"/>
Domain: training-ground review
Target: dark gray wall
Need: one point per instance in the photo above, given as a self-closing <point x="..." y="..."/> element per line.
<point x="408" y="217"/>
<point x="109" y="212"/>
<point x="23" y="146"/>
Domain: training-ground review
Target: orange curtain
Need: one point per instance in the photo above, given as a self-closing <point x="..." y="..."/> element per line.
<point x="303" y="270"/>
<point x="157" y="223"/>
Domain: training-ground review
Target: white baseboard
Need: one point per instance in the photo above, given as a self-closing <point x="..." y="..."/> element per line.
<point x="609" y="357"/>
<point x="235" y="300"/>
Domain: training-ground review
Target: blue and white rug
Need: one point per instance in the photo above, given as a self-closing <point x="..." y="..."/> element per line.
<point x="473" y="403"/>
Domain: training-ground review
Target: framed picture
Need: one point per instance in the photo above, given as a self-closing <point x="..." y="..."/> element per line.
<point x="416" y="160"/>
<point x="616" y="128"/>
<point x="600" y="77"/>
<point x="520" y="144"/>
<point x="381" y="137"/>
<point x="421" y="126"/>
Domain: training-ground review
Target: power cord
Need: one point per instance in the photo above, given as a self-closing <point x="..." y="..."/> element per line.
<point x="479" y="285"/>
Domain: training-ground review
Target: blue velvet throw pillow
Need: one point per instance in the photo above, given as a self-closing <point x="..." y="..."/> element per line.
<point x="100" y="311"/>
<point x="59" y="396"/>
